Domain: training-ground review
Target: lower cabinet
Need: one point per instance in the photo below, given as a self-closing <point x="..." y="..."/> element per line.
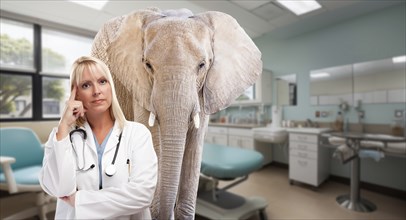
<point x="233" y="137"/>
<point x="216" y="135"/>
<point x="240" y="137"/>
<point x="308" y="162"/>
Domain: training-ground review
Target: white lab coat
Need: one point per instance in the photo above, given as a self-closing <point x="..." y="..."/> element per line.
<point x="125" y="195"/>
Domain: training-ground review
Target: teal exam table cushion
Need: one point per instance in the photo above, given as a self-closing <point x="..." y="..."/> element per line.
<point x="224" y="162"/>
<point x="28" y="176"/>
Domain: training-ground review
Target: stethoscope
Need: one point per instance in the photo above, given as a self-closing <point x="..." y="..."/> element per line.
<point x="110" y="169"/>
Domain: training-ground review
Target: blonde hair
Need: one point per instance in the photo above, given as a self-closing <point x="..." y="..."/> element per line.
<point x="96" y="65"/>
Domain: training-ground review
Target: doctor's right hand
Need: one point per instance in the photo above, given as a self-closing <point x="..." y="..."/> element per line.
<point x="73" y="110"/>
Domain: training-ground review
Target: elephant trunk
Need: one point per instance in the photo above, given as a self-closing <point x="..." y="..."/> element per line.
<point x="175" y="103"/>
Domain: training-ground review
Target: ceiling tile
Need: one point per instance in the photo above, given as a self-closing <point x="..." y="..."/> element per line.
<point x="284" y="20"/>
<point x="269" y="11"/>
<point x="250" y="5"/>
<point x="335" y="4"/>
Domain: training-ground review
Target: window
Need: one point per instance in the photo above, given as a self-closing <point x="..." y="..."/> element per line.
<point x="15" y="96"/>
<point x="57" y="57"/>
<point x="17" y="48"/>
<point x="32" y="90"/>
<point x="55" y="91"/>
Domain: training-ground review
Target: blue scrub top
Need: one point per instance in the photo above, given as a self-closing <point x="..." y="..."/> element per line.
<point x="100" y="149"/>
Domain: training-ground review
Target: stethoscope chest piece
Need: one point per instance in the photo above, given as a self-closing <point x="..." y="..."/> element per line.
<point x="110" y="170"/>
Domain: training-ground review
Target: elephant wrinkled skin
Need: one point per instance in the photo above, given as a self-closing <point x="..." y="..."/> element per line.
<point x="172" y="70"/>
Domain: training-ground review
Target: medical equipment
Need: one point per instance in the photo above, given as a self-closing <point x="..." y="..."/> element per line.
<point x="223" y="163"/>
<point x="110" y="169"/>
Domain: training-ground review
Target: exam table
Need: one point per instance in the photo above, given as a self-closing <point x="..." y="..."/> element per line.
<point x="223" y="163"/>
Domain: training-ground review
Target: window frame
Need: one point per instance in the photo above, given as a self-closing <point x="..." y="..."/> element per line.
<point x="37" y="75"/>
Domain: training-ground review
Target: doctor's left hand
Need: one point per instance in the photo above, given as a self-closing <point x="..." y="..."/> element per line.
<point x="69" y="199"/>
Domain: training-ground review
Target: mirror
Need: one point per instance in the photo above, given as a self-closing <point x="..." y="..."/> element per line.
<point x="380" y="81"/>
<point x="286" y="88"/>
<point x="331" y="86"/>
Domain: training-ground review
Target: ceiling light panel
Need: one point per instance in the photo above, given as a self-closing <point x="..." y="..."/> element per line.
<point x="399" y="59"/>
<point x="300" y="7"/>
<point x="98" y="5"/>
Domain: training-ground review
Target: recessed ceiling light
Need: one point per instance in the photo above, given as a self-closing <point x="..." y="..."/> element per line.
<point x="98" y="5"/>
<point x="300" y="7"/>
<point x="319" y="75"/>
<point x="399" y="59"/>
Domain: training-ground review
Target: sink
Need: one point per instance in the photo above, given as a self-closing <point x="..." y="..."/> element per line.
<point x="274" y="135"/>
<point x="308" y="130"/>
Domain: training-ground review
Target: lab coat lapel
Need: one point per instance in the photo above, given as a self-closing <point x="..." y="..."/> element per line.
<point x="113" y="139"/>
<point x="90" y="138"/>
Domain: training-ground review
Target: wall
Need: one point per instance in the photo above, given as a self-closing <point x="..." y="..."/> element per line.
<point x="41" y="128"/>
<point x="373" y="36"/>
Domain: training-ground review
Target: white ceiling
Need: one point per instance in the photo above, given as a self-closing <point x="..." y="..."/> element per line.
<point x="256" y="17"/>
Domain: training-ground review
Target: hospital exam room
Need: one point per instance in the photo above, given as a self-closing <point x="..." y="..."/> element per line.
<point x="308" y="123"/>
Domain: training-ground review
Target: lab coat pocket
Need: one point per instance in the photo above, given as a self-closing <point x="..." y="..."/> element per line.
<point x="87" y="175"/>
<point x="121" y="175"/>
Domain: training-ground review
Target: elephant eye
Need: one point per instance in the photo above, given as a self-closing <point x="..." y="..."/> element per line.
<point x="149" y="66"/>
<point x="201" y="65"/>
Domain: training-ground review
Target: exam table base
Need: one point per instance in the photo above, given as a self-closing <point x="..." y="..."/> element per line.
<point x="362" y="205"/>
<point x="206" y="207"/>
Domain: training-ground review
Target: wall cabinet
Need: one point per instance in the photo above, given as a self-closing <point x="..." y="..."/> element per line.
<point x="308" y="162"/>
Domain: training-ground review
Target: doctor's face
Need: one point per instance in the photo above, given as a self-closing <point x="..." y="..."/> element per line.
<point x="94" y="91"/>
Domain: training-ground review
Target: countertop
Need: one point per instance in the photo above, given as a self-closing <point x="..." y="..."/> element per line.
<point x="232" y="125"/>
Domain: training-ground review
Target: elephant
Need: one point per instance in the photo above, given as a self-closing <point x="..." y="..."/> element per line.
<point x="172" y="69"/>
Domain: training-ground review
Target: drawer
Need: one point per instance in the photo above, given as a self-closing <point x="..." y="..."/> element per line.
<point x="218" y="130"/>
<point x="308" y="138"/>
<point x="303" y="146"/>
<point x="303" y="170"/>
<point x="240" y="132"/>
<point x="303" y="154"/>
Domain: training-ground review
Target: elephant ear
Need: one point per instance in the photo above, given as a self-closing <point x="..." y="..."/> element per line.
<point x="119" y="43"/>
<point x="237" y="62"/>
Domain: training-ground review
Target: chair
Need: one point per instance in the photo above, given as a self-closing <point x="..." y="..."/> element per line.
<point x="21" y="155"/>
<point x="224" y="163"/>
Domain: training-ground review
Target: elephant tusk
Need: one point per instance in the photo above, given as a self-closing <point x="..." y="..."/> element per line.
<point x="196" y="120"/>
<point x="151" y="120"/>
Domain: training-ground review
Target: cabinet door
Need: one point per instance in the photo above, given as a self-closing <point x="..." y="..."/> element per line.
<point x="241" y="142"/>
<point x="209" y="138"/>
<point x="216" y="135"/>
<point x="303" y="170"/>
<point x="220" y="139"/>
<point x="216" y="139"/>
<point x="240" y="137"/>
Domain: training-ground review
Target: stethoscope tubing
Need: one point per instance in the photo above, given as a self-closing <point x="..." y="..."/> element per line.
<point x="110" y="169"/>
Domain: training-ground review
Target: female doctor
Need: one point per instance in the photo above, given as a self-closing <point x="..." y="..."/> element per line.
<point x="99" y="165"/>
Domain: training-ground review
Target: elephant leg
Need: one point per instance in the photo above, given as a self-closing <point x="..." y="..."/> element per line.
<point x="189" y="179"/>
<point x="141" y="115"/>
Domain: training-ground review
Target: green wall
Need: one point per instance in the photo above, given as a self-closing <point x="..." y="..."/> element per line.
<point x="374" y="36"/>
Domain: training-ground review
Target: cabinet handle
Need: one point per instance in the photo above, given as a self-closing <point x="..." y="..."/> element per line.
<point x="302" y="147"/>
<point x="302" y="154"/>
<point x="302" y="163"/>
<point x="302" y="138"/>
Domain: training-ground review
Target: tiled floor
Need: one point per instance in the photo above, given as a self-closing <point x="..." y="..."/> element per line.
<point x="285" y="201"/>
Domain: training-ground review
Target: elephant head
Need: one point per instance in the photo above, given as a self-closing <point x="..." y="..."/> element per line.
<point x="173" y="69"/>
